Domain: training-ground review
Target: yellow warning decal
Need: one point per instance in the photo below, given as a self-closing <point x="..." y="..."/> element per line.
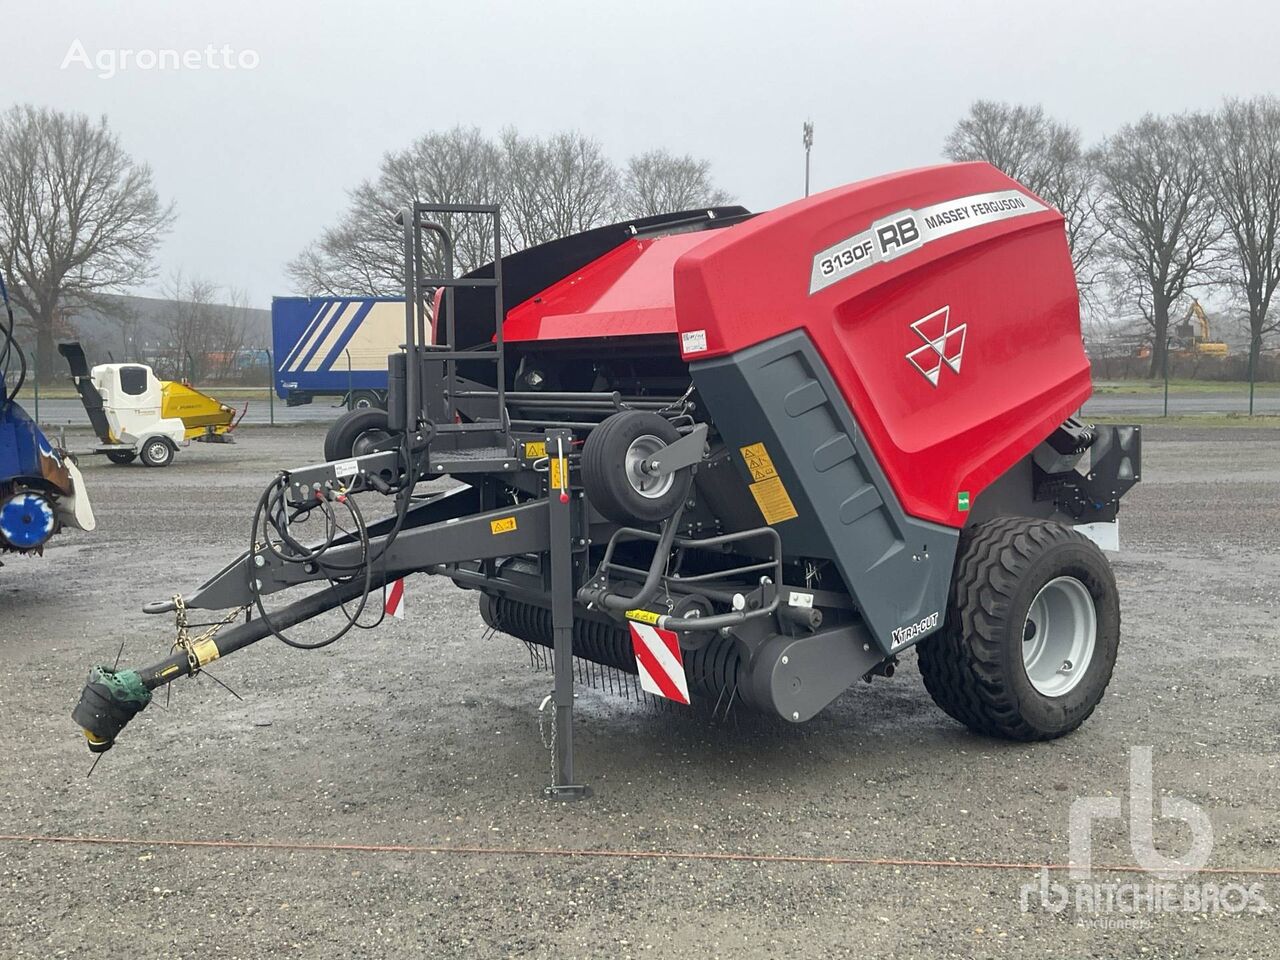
<point x="505" y="525"/>
<point x="643" y="616"/>
<point x="557" y="473"/>
<point x="759" y="462"/>
<point x="535" y="449"/>
<point x="774" y="502"/>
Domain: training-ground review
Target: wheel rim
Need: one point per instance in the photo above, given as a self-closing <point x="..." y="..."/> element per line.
<point x="643" y="482"/>
<point x="157" y="453"/>
<point x="362" y="403"/>
<point x="1059" y="636"/>
<point x="367" y="442"/>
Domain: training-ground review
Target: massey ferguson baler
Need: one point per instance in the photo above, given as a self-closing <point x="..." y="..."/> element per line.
<point x="746" y="459"/>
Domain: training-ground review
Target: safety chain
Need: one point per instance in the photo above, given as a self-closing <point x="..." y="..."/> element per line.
<point x="547" y="731"/>
<point x="185" y="642"/>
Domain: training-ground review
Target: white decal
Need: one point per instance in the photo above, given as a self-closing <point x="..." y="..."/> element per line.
<point x="913" y="630"/>
<point x="908" y="230"/>
<point x="346" y="468"/>
<point x="694" y="341"/>
<point x="943" y="343"/>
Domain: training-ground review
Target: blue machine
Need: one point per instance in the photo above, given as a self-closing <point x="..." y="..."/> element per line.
<point x="335" y="347"/>
<point x="41" y="489"/>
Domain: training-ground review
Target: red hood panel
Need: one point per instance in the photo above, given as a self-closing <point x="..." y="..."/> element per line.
<point x="629" y="291"/>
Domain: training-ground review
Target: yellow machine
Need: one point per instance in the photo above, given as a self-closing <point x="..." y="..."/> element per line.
<point x="200" y="413"/>
<point x="138" y="416"/>
<point x="1195" y="338"/>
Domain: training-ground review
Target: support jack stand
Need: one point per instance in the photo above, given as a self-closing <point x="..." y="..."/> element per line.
<point x="560" y="555"/>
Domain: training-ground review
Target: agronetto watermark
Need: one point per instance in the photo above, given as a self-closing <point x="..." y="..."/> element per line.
<point x="108" y="62"/>
<point x="1167" y="885"/>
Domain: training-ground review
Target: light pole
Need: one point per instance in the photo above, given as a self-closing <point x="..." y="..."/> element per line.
<point x="808" y="145"/>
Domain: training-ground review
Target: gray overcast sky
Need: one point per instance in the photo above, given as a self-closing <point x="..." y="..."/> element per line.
<point x="258" y="161"/>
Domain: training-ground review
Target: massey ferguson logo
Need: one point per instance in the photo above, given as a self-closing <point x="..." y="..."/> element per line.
<point x="943" y="343"/>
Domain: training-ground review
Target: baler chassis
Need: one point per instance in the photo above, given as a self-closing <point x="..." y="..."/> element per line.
<point x="601" y="506"/>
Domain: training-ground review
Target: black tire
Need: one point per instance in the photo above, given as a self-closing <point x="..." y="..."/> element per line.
<point x="156" y="452"/>
<point x="974" y="667"/>
<point x="367" y="400"/>
<point x="121" y="457"/>
<point x="354" y="433"/>
<point x="606" y="477"/>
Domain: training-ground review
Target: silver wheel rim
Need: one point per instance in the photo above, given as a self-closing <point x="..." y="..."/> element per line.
<point x="1058" y="636"/>
<point x="643" y="482"/>
<point x="157" y="452"/>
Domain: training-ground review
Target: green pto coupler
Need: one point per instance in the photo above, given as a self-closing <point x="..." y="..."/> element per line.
<point x="109" y="700"/>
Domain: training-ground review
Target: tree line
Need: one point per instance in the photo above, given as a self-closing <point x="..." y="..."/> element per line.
<point x="80" y="218"/>
<point x="548" y="187"/>
<point x="1163" y="207"/>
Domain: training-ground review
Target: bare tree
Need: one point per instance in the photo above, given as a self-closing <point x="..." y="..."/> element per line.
<point x="187" y="324"/>
<point x="547" y="187"/>
<point x="122" y="315"/>
<point x="363" y="254"/>
<point x="205" y="328"/>
<point x="78" y="216"/>
<point x="1047" y="157"/>
<point x="554" y="187"/>
<point x="1245" y="179"/>
<point x="1011" y="137"/>
<point x="658" y="182"/>
<point x="228" y="331"/>
<point x="1158" y="212"/>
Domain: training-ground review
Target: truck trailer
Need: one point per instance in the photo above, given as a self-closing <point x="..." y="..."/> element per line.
<point x="334" y="347"/>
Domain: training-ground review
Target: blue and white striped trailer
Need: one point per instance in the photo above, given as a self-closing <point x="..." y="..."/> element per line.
<point x="335" y="347"/>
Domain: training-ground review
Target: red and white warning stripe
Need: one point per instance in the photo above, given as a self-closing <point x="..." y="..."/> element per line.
<point x="395" y="599"/>
<point x="658" y="662"/>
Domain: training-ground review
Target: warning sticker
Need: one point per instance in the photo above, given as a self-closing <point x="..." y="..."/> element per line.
<point x="758" y="462"/>
<point x="693" y="341"/>
<point x="505" y="525"/>
<point x="642" y="616"/>
<point x="535" y="449"/>
<point x="774" y="502"/>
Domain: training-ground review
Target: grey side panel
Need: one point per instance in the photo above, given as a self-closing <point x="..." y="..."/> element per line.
<point x="896" y="568"/>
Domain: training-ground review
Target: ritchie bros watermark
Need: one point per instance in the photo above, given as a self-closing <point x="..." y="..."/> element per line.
<point x="1169" y="886"/>
<point x="110" y="61"/>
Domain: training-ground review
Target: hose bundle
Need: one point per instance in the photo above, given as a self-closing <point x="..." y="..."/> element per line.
<point x="274" y="514"/>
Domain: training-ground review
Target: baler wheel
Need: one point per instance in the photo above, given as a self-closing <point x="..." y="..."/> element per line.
<point x="355" y="433"/>
<point x="1025" y="592"/>
<point x="122" y="457"/>
<point x="614" y="473"/>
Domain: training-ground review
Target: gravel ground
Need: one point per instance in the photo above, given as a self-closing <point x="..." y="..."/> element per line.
<point x="423" y="733"/>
